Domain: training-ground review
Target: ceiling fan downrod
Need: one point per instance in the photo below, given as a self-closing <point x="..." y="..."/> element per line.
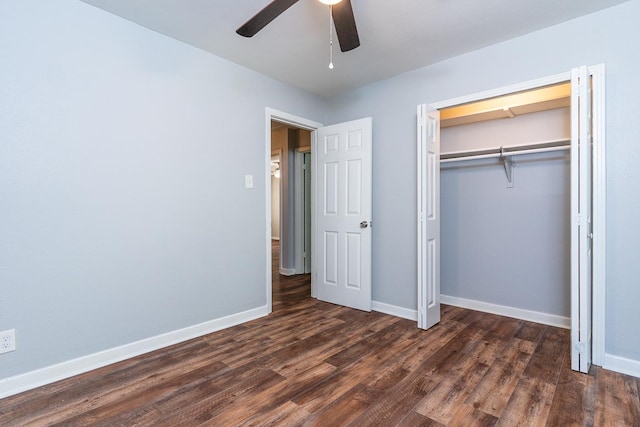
<point x="330" y="35"/>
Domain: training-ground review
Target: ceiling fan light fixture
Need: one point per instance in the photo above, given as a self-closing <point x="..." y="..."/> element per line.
<point x="341" y="15"/>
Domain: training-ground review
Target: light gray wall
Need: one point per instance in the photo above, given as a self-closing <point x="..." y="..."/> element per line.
<point x="508" y="246"/>
<point x="123" y="211"/>
<point x="603" y="37"/>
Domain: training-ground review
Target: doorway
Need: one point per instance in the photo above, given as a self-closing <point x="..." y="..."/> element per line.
<point x="341" y="205"/>
<point x="506" y="205"/>
<point x="288" y="149"/>
<point x="291" y="197"/>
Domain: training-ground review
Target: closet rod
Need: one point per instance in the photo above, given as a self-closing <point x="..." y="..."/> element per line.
<point x="541" y="147"/>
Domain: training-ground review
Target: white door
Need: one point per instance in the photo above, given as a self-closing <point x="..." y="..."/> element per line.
<point x="581" y="221"/>
<point x="343" y="214"/>
<point x="428" y="216"/>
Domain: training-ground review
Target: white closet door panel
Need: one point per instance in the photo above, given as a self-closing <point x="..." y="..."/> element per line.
<point x="581" y="225"/>
<point x="428" y="216"/>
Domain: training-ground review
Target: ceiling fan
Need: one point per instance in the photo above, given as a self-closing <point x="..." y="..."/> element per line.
<point x="341" y="11"/>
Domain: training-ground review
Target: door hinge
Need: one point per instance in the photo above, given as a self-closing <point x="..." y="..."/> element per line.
<point x="580" y="220"/>
<point x="421" y="216"/>
<point x="579" y="347"/>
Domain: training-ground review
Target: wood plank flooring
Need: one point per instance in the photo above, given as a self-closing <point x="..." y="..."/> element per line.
<point x="313" y="363"/>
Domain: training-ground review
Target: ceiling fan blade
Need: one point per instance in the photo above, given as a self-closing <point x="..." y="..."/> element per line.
<point x="345" y="24"/>
<point x="266" y="15"/>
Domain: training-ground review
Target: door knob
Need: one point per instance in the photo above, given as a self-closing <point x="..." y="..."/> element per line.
<point x="364" y="224"/>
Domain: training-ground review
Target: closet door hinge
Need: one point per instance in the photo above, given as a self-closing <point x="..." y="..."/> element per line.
<point x="580" y="220"/>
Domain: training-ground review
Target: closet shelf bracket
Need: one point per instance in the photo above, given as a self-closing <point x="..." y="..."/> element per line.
<point x="509" y="164"/>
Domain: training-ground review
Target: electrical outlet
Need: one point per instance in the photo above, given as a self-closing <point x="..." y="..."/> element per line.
<point x="7" y="341"/>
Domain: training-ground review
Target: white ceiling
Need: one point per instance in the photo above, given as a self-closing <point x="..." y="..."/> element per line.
<point x="396" y="35"/>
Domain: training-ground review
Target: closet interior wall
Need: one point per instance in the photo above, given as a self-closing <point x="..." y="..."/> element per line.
<point x="508" y="246"/>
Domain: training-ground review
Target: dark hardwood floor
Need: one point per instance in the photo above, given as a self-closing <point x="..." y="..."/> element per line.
<point x="313" y="363"/>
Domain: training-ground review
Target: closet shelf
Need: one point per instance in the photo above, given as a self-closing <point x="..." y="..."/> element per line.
<point x="508" y="106"/>
<point x="506" y="154"/>
<point x="512" y="150"/>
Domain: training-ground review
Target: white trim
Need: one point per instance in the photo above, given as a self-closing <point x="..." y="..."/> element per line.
<point x="394" y="310"/>
<point x="421" y="312"/>
<point x="291" y="120"/>
<point x="504" y="90"/>
<point x="283" y="171"/>
<point x="314" y="203"/>
<point x="622" y="365"/>
<point x="298" y="219"/>
<point x="299" y="211"/>
<point x="503" y="310"/>
<point x="288" y="271"/>
<point x="300" y="122"/>
<point x="60" y="371"/>
<point x="598" y="124"/>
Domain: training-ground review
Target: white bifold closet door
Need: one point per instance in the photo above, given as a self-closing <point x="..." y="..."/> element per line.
<point x="581" y="219"/>
<point x="428" y="216"/>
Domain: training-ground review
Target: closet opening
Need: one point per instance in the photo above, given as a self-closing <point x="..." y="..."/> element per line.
<point x="511" y="206"/>
<point x="505" y="189"/>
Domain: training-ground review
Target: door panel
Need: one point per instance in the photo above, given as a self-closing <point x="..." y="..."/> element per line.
<point x="428" y="216"/>
<point x="344" y="213"/>
<point x="330" y="197"/>
<point x="581" y="206"/>
<point x="331" y="258"/>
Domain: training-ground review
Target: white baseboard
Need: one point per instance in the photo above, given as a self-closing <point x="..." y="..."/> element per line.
<point x="60" y="371"/>
<point x="394" y="310"/>
<point x="622" y="365"/>
<point x="502" y="310"/>
<point x="287" y="271"/>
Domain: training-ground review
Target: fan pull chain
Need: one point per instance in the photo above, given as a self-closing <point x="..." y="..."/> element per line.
<point x="330" y="38"/>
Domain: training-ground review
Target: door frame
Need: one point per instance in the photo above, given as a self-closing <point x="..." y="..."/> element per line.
<point x="278" y="155"/>
<point x="597" y="73"/>
<point x="302" y="123"/>
<point x="301" y="220"/>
